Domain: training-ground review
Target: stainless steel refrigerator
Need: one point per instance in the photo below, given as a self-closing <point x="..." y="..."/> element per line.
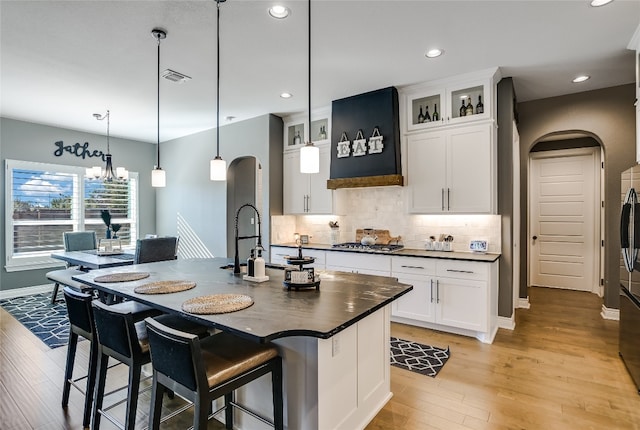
<point x="630" y="273"/>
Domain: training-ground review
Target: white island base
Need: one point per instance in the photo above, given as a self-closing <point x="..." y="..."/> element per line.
<point x="336" y="383"/>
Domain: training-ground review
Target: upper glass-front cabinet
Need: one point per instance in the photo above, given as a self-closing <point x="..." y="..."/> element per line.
<point x="448" y="102"/>
<point x="297" y="130"/>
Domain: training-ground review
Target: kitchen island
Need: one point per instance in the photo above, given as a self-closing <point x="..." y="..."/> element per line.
<point x="334" y="341"/>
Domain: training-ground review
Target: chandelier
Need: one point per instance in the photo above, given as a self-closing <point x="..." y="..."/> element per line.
<point x="107" y="174"/>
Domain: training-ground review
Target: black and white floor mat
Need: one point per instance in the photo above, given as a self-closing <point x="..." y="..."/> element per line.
<point x="423" y="359"/>
<point x="47" y="321"/>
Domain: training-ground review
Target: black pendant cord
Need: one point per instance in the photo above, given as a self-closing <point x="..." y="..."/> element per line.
<point x="108" y="150"/>
<point x="309" y="99"/>
<point x="158" y="107"/>
<point x="218" y="83"/>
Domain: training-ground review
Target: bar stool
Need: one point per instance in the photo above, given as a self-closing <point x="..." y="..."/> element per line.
<point x="202" y="370"/>
<point x="73" y="241"/>
<point x="123" y="338"/>
<point x="82" y="323"/>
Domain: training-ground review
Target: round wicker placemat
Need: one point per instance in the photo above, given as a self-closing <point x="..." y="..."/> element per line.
<point x="217" y="304"/>
<point x="164" y="287"/>
<point x="122" y="277"/>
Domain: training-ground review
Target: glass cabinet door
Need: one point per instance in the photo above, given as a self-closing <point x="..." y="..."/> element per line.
<point x="468" y="103"/>
<point x="425" y="110"/>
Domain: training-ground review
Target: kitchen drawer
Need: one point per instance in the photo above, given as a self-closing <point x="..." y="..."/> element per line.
<point x="379" y="263"/>
<point x="413" y="266"/>
<point x="463" y="269"/>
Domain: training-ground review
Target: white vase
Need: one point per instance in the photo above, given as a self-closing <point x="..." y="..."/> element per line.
<point x="335" y="236"/>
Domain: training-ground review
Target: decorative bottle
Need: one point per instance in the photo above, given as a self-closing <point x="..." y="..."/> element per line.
<point x="258" y="265"/>
<point x="463" y="109"/>
<point x="296" y="138"/>
<point x="436" y="115"/>
<point x="427" y="117"/>
<point x="420" y="116"/>
<point x="251" y="264"/>
<point x="479" y="106"/>
<point x="469" y="109"/>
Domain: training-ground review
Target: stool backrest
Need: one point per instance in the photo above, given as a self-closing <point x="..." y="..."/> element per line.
<point x="80" y="312"/>
<point x="116" y="330"/>
<point x="156" y="249"/>
<point x="176" y="354"/>
<point x="79" y="240"/>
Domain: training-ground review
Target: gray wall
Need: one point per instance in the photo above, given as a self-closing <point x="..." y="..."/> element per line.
<point x="203" y="203"/>
<point x="608" y="115"/>
<point x="506" y="117"/>
<point x="26" y="141"/>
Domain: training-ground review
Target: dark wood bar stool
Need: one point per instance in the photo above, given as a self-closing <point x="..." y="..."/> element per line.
<point x="73" y="241"/>
<point x="202" y="370"/>
<point x="123" y="337"/>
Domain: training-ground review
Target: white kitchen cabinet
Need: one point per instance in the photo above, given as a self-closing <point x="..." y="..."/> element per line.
<point x="452" y="170"/>
<point x="365" y="264"/>
<point x="448" y="295"/>
<point x="305" y="193"/>
<point x="447" y="97"/>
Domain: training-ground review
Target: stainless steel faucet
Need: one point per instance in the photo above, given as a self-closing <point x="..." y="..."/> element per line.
<point x="236" y="263"/>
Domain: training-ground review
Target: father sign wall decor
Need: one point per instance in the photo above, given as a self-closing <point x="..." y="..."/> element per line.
<point x="365" y="140"/>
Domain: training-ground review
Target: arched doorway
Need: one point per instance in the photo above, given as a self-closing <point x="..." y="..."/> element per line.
<point x="244" y="185"/>
<point x="565" y="213"/>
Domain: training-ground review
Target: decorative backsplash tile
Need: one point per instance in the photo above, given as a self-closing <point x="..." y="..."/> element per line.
<point x="384" y="208"/>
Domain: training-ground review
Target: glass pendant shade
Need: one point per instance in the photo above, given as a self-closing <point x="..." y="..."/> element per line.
<point x="158" y="178"/>
<point x="309" y="158"/>
<point x="218" y="169"/>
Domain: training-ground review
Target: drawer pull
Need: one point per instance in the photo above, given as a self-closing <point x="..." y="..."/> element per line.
<point x="412" y="267"/>
<point x="460" y="271"/>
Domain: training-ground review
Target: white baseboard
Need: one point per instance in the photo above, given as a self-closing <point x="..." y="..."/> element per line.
<point x="508" y="323"/>
<point x="26" y="291"/>
<point x="523" y="303"/>
<point x="610" y="313"/>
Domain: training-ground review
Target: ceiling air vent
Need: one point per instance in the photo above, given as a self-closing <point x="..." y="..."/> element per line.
<point x="172" y="76"/>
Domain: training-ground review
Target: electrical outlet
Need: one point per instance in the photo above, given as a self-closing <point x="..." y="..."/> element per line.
<point x="335" y="345"/>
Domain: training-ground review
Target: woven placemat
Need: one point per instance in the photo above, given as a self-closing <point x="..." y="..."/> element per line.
<point x="164" y="287"/>
<point x="122" y="277"/>
<point x="217" y="304"/>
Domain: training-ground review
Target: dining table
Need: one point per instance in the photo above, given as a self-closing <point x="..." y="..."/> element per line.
<point x="92" y="259"/>
<point x="334" y="339"/>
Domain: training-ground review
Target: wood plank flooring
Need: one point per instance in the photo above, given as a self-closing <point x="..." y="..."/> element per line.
<point x="559" y="369"/>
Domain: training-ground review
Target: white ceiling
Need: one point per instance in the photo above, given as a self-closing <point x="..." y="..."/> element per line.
<point x="61" y="61"/>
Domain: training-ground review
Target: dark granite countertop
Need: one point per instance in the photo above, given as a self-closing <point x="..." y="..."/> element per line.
<point x="343" y="298"/>
<point x="406" y="252"/>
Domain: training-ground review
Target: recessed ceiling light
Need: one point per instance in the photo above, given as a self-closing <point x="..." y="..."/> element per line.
<point x="598" y="3"/>
<point x="433" y="53"/>
<point x="580" y="78"/>
<point x="279" y="11"/>
<point x="286" y="95"/>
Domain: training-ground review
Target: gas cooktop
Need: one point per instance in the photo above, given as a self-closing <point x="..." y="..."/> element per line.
<point x="356" y="246"/>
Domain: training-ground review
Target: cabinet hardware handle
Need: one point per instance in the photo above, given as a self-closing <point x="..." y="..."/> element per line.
<point x="431" y="288"/>
<point x="442" y="198"/>
<point x="412" y="267"/>
<point x="437" y="291"/>
<point x="460" y="271"/>
<point x="448" y="199"/>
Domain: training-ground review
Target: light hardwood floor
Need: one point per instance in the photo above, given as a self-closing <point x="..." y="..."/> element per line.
<point x="559" y="369"/>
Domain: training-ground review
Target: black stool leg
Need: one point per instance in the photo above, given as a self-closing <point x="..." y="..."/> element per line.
<point x="201" y="412"/>
<point x="132" y="398"/>
<point x="68" y="373"/>
<point x="91" y="382"/>
<point x="228" y="411"/>
<point x="276" y="382"/>
<point x="101" y="380"/>
<point x="55" y="292"/>
<point x="156" y="404"/>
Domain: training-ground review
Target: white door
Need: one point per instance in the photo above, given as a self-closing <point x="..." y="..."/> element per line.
<point x="562" y="226"/>
<point x="320" y="198"/>
<point x="296" y="184"/>
<point x="426" y="165"/>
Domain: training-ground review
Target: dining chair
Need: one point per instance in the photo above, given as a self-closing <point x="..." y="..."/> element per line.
<point x="202" y="370"/>
<point x="156" y="249"/>
<point x="122" y="336"/>
<point x="73" y="241"/>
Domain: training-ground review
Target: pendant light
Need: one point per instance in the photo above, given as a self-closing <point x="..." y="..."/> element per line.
<point x="107" y="174"/>
<point x="218" y="167"/>
<point x="309" y="153"/>
<point x="158" y="176"/>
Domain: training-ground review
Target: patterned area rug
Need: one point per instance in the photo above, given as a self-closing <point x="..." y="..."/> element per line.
<point x="47" y="321"/>
<point x="423" y="359"/>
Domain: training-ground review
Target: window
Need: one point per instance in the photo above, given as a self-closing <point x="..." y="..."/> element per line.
<point x="45" y="200"/>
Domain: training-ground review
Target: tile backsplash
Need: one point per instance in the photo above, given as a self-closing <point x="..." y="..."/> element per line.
<point x="384" y="208"/>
